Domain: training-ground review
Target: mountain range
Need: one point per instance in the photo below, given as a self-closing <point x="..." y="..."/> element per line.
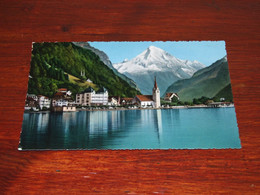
<point x="155" y="62"/>
<point x="211" y="81"/>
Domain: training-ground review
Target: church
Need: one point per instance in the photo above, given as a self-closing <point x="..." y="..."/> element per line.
<point x="149" y="100"/>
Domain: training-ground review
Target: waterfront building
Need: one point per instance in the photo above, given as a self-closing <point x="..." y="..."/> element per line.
<point x="220" y="104"/>
<point x="62" y="101"/>
<point x="144" y="100"/>
<point x="31" y="102"/>
<point x="59" y="102"/>
<point x="113" y="101"/>
<point x="90" y="97"/>
<point x="126" y="101"/>
<point x="44" y="102"/>
<point x="62" y="98"/>
<point x="149" y="100"/>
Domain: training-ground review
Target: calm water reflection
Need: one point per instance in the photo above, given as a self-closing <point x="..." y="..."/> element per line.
<point x="131" y="129"/>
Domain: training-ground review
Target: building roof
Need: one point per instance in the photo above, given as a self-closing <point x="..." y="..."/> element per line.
<point x="39" y="96"/>
<point x="102" y="90"/>
<point x="59" y="95"/>
<point x="88" y="90"/>
<point x="168" y="95"/>
<point x="127" y="99"/>
<point x="30" y="99"/>
<point x="62" y="89"/>
<point x="144" y="98"/>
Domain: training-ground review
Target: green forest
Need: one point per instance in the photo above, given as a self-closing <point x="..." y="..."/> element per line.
<point x="52" y="63"/>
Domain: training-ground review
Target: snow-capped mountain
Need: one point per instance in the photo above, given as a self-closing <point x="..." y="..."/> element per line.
<point x="157" y="62"/>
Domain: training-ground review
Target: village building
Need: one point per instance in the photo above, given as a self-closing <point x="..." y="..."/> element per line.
<point x="219" y="104"/>
<point x="31" y="102"/>
<point x="90" y="97"/>
<point x="126" y="101"/>
<point x="62" y="101"/>
<point x="59" y="99"/>
<point x="144" y="100"/>
<point x="149" y="100"/>
<point x="169" y="96"/>
<point x="63" y="90"/>
<point x="32" y="96"/>
<point x="44" y="102"/>
<point x="114" y="100"/>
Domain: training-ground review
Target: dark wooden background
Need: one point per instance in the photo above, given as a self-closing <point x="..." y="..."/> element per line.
<point x="139" y="171"/>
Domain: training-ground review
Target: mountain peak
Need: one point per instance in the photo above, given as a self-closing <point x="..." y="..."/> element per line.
<point x="151" y="47"/>
<point x="155" y="61"/>
<point x="152" y="53"/>
<point x="154" y="49"/>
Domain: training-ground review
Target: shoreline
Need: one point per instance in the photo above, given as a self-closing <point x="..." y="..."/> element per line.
<point x="120" y="108"/>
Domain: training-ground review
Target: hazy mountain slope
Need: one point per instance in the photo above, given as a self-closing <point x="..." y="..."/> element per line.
<point x="157" y="62"/>
<point x="205" y="82"/>
<point x="226" y="93"/>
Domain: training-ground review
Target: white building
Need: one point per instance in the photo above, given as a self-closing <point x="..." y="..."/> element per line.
<point x="44" y="101"/>
<point x="112" y="101"/>
<point x="90" y="97"/>
<point x="60" y="102"/>
<point x="149" y="100"/>
<point x="144" y="100"/>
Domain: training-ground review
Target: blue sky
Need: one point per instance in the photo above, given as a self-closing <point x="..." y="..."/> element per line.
<point x="205" y="52"/>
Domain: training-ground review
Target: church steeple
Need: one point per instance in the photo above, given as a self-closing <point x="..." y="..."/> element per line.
<point x="155" y="83"/>
<point x="156" y="95"/>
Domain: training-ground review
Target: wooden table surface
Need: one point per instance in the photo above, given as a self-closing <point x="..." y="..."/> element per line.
<point x="138" y="171"/>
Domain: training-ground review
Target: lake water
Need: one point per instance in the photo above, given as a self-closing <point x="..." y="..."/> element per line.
<point x="132" y="129"/>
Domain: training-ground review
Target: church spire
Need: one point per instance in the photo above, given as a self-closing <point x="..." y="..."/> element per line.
<point x="156" y="95"/>
<point x="155" y="83"/>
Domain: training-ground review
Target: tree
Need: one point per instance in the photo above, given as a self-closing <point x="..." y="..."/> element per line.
<point x="215" y="99"/>
<point x="203" y="99"/>
<point x="196" y="101"/>
<point x="175" y="99"/>
<point x="66" y="77"/>
<point x="35" y="70"/>
<point x="53" y="87"/>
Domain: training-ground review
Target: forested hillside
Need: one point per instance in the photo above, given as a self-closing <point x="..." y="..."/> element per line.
<point x="53" y="64"/>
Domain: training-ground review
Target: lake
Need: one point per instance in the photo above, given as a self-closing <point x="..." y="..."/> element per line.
<point x="132" y="129"/>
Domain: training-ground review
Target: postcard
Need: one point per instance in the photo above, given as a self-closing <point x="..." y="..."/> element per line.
<point x="129" y="95"/>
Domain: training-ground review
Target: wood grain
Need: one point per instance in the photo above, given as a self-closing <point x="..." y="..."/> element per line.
<point x="136" y="171"/>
